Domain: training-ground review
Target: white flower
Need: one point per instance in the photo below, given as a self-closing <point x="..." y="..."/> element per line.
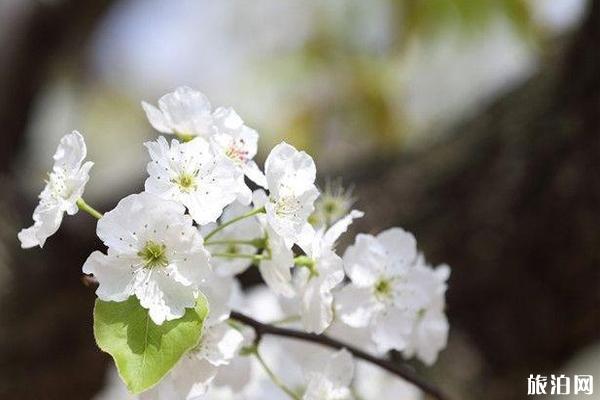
<point x="237" y="374"/>
<point x="323" y="273"/>
<point x="430" y="331"/>
<point x="372" y="382"/>
<point x="358" y="337"/>
<point x="333" y="204"/>
<point x="184" y="112"/>
<point x="187" y="113"/>
<point x="228" y="240"/>
<point x="332" y="379"/>
<point x="194" y="175"/>
<point x="64" y="187"/>
<point x="290" y="179"/>
<point x="276" y="267"/>
<point x="154" y="253"/>
<point x="262" y="304"/>
<point x="238" y="142"/>
<point x="380" y="295"/>
<point x="220" y="291"/>
<point x="191" y="377"/>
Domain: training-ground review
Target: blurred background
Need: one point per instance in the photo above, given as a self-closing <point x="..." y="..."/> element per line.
<point x="474" y="124"/>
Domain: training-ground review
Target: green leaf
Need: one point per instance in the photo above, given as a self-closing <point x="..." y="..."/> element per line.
<point x="143" y="351"/>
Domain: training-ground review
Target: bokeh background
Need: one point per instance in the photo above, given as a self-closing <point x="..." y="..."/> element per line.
<point x="474" y="124"/>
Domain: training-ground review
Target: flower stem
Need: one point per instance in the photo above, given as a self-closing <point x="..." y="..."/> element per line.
<point x="259" y="243"/>
<point x="304" y="261"/>
<point x="274" y="378"/>
<point x="233" y="221"/>
<point x="184" y="137"/>
<point x="253" y="257"/>
<point x="83" y="206"/>
<point x="307" y="262"/>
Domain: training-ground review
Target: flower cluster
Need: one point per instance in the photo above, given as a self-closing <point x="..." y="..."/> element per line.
<point x="207" y="214"/>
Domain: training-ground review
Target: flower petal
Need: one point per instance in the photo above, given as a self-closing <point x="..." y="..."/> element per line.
<point x="164" y="298"/>
<point x="356" y="306"/>
<point x="392" y="329"/>
<point x="114" y="275"/>
<point x="156" y="118"/>
<point x="71" y="152"/>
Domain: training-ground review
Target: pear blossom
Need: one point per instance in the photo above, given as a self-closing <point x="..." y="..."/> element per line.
<point x="154" y="253"/>
<point x="290" y="179"/>
<point x="373" y="383"/>
<point x="275" y="267"/>
<point x="331" y="380"/>
<point x="65" y="185"/>
<point x="358" y="337"/>
<point x="430" y="330"/>
<point x="188" y="113"/>
<point x="220" y="292"/>
<point x="184" y="112"/>
<point x="380" y="295"/>
<point x="237" y="375"/>
<point x="323" y="271"/>
<point x="333" y="204"/>
<point x="238" y="142"/>
<point x="194" y="175"/>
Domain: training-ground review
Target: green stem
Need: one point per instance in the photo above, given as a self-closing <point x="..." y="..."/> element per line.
<point x="253" y="257"/>
<point x="258" y="243"/>
<point x="233" y="221"/>
<point x="278" y="382"/>
<point x="184" y="137"/>
<point x="307" y="262"/>
<point x="304" y="261"/>
<point x="83" y="206"/>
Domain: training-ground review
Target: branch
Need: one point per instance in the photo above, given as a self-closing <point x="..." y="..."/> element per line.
<point x="265" y="329"/>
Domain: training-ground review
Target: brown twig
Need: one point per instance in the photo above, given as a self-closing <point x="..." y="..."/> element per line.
<point x="398" y="370"/>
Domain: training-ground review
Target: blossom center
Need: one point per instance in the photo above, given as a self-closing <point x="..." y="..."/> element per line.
<point x="237" y="154"/>
<point x="383" y="289"/>
<point x="154" y="255"/>
<point x="287" y="205"/>
<point x="186" y="182"/>
<point x="58" y="186"/>
<point x="330" y="206"/>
